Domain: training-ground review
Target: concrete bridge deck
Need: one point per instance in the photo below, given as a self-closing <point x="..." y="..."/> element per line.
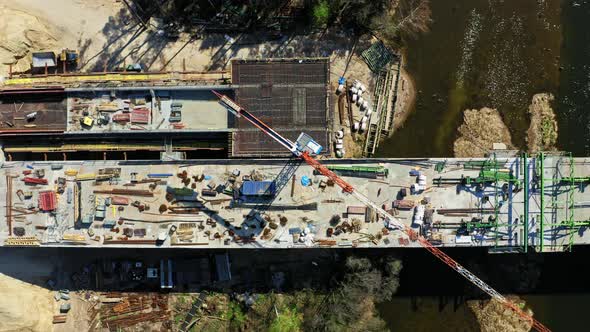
<point x="466" y="202"/>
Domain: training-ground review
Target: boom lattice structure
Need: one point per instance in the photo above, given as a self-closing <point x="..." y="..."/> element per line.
<point x="390" y="221"/>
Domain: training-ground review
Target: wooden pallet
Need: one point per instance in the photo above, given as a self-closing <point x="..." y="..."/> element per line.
<point x="29" y="241"/>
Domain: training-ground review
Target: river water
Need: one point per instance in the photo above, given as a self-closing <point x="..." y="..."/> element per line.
<point x="497" y="53"/>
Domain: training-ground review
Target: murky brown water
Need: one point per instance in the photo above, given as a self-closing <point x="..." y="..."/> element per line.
<point x="493" y="53"/>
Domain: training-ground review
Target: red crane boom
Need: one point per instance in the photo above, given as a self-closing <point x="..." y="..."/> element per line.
<point x="390" y="221"/>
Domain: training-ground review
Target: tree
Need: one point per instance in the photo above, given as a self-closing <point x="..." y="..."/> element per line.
<point x="351" y="306"/>
<point x="413" y="17"/>
<point x="321" y="13"/>
<point x="406" y="19"/>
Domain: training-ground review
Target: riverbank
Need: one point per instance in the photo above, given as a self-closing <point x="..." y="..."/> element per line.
<point x="479" y="131"/>
<point x="543" y="131"/>
<point x="406" y="97"/>
<point x="482" y="128"/>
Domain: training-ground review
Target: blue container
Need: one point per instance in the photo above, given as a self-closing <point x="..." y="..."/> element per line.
<point x="305" y="181"/>
<point x="258" y="188"/>
<point x="414" y="172"/>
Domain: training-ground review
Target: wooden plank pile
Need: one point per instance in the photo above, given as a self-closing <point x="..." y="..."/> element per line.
<point x="132" y="309"/>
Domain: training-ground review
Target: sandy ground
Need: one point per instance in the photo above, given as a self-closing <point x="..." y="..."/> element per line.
<point x="406" y="97"/>
<point x="543" y="131"/>
<point x="480" y="129"/>
<point x="25" y="305"/>
<point x="107" y="36"/>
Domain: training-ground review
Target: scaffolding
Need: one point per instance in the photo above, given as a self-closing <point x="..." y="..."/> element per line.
<point x="378" y="57"/>
<point x="384" y="108"/>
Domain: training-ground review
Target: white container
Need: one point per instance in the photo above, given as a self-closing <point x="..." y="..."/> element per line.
<point x="369" y="112"/>
<point x="339" y="146"/>
<point x="340" y="88"/>
<point x="354" y="90"/>
<point x="340" y="134"/>
<point x="354" y="97"/>
<point x="356" y="126"/>
<point x="364" y="119"/>
<point x="419" y="214"/>
<point x="363" y="87"/>
<point x="366" y="104"/>
<point x="357" y="84"/>
<point x="360" y="92"/>
<point x="422" y="180"/>
<point x="363" y="126"/>
<point x="416" y="188"/>
<point x="359" y="100"/>
<point x="339" y="141"/>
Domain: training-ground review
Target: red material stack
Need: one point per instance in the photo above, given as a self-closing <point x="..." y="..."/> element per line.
<point x="118" y="200"/>
<point x="140" y="115"/>
<point x="30" y="180"/>
<point x="47" y="200"/>
<point x="121" y="117"/>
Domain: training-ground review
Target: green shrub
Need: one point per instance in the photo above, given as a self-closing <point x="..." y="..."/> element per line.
<point x="321" y="13"/>
<point x="288" y="320"/>
<point x="235" y="316"/>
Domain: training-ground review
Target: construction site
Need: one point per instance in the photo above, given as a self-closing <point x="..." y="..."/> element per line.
<point x="254" y="151"/>
<point x="262" y="108"/>
<point x="505" y="204"/>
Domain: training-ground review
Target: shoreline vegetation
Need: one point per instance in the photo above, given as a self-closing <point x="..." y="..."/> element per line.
<point x="482" y="128"/>
<point x="543" y="131"/>
<point x="494" y="316"/>
<point x="479" y="131"/>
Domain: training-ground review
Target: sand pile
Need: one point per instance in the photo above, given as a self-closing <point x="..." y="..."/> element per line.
<point x="542" y="133"/>
<point x="494" y="316"/>
<point x="20" y="34"/>
<point x="480" y="129"/>
<point x="24" y="307"/>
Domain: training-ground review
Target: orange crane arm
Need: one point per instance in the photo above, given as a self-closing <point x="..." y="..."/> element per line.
<point x="390" y="220"/>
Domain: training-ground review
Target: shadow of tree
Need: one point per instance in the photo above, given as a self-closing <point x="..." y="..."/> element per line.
<point x="126" y="40"/>
<point x="129" y="40"/>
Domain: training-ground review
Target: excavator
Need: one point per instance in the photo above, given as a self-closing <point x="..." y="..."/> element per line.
<point x="306" y="149"/>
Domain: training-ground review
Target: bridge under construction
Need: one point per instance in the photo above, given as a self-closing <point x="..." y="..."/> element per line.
<point x="507" y="204"/>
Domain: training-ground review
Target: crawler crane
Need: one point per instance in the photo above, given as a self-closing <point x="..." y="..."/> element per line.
<point x="306" y="148"/>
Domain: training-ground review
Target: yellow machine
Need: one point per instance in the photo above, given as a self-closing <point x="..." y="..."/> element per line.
<point x="88" y="121"/>
<point x="68" y="56"/>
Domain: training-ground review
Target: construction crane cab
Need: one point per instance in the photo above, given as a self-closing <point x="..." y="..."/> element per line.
<point x="306" y="143"/>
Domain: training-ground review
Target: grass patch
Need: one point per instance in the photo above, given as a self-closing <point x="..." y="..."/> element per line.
<point x="288" y="320"/>
<point x="235" y="315"/>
